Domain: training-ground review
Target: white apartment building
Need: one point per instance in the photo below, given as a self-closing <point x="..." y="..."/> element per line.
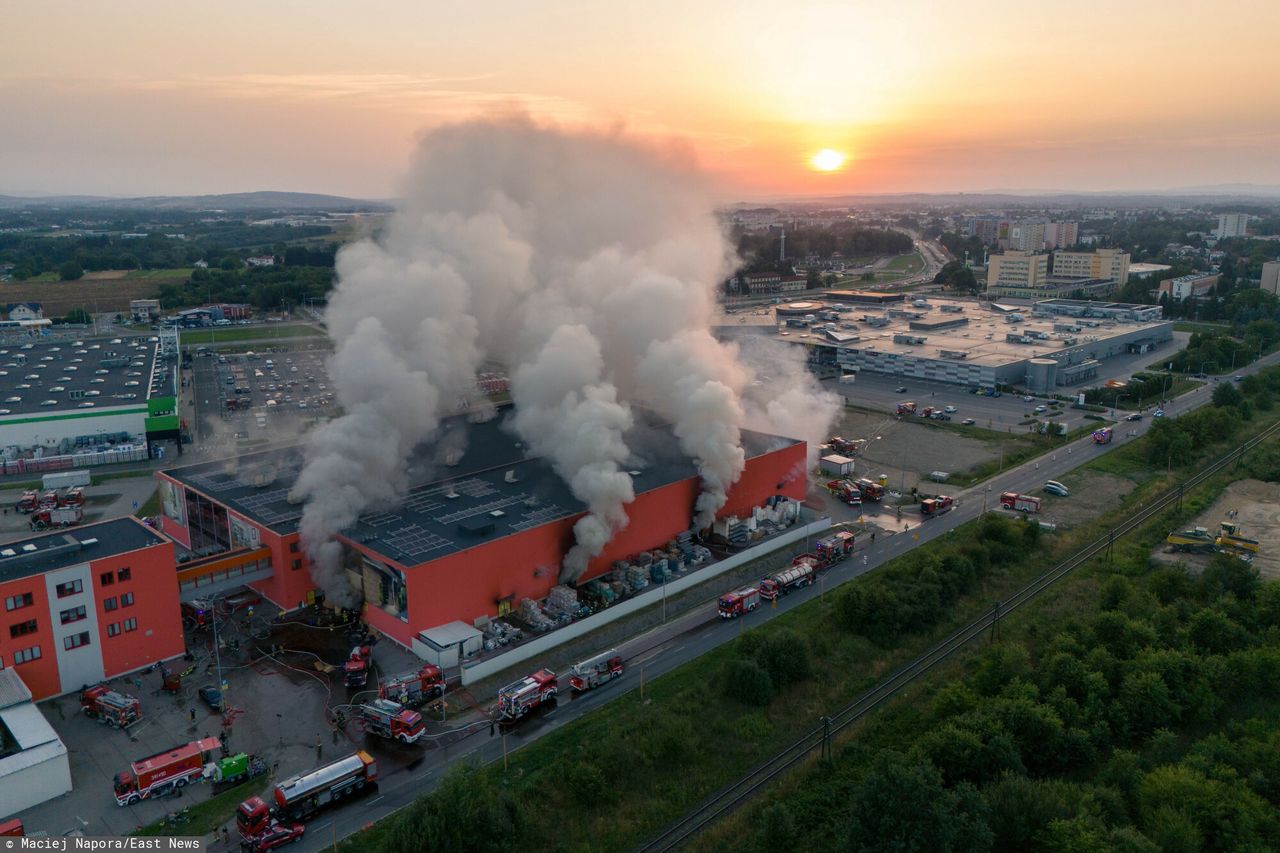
<point x="1103" y="263"/>
<point x="1231" y="225"/>
<point x="1271" y="277"/>
<point x="1017" y="269"/>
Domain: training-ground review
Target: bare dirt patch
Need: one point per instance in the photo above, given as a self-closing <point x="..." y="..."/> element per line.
<point x="1093" y="493"/>
<point x="104" y="275"/>
<point x="1257" y="507"/>
<point x="97" y="294"/>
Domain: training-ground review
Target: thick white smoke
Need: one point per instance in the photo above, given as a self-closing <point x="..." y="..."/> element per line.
<point x="586" y="263"/>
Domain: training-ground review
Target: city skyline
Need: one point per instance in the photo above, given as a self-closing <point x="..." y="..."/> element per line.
<point x="143" y="100"/>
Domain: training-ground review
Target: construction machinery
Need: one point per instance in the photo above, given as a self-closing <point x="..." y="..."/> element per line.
<point x="414" y="689"/>
<point x="391" y="720"/>
<point x="1197" y="540"/>
<point x="780" y="583"/>
<point x="520" y="698"/>
<point x="117" y="710"/>
<point x="299" y="797"/>
<point x="1021" y="503"/>
<point x="165" y="772"/>
<point x="734" y="604"/>
<point x="594" y="671"/>
<point x="937" y="505"/>
<point x="1230" y="536"/>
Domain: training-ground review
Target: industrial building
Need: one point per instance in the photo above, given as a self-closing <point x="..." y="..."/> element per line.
<point x="68" y="396"/>
<point x="88" y="604"/>
<point x="486" y="526"/>
<point x="33" y="760"/>
<point x="1043" y="345"/>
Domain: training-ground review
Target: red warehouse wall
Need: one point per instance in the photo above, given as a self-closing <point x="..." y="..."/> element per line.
<point x="289" y="584"/>
<point x="469" y="583"/>
<point x="41" y="675"/>
<point x="153" y="583"/>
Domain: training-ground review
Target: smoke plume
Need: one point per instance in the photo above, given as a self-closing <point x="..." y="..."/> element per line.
<point x="586" y="264"/>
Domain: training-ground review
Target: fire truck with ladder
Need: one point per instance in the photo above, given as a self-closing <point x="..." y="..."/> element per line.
<point x="117" y="710"/>
<point x="165" y="772"/>
<point x="846" y="491"/>
<point x="299" y="797"/>
<point x="594" y="671"/>
<point x="780" y="583"/>
<point x="391" y="720"/>
<point x="733" y="604"/>
<point x="518" y="699"/>
<point x="416" y="688"/>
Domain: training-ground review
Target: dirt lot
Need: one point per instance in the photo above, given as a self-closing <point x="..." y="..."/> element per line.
<point x="907" y="451"/>
<point x="1257" y="505"/>
<point x="100" y="293"/>
<point x="1093" y="493"/>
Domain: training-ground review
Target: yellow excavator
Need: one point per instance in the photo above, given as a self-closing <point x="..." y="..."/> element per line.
<point x="1229" y="537"/>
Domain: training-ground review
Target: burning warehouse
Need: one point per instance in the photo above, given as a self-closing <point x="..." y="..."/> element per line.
<point x="487" y="523"/>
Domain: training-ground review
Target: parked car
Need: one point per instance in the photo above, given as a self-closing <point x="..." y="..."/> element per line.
<point x="1053" y="487"/>
<point x="968" y="422"/>
<point x="212" y="697"/>
<point x="1040" y="410"/>
<point x="278" y="835"/>
<point x="1158" y="413"/>
<point x="950" y="410"/>
<point x="901" y="389"/>
<point x="1028" y="398"/>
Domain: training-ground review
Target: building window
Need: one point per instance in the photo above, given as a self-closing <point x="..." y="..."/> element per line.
<point x="75" y="641"/>
<point x="17" y="602"/>
<point x="21" y="629"/>
<point x="130" y="624"/>
<point x="113" y="629"/>
<point x="126" y="599"/>
<point x="25" y="655"/>
<point x="109" y="604"/>
<point x="107" y="578"/>
<point x="124" y="574"/>
<point x="74" y="587"/>
<point x="75" y="614"/>
<point x="297" y="564"/>
<point x="293" y="547"/>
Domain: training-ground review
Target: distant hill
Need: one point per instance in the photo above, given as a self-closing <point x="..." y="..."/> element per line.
<point x="1209" y="194"/>
<point x="257" y="201"/>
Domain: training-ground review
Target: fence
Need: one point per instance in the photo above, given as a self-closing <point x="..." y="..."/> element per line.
<point x="474" y="672"/>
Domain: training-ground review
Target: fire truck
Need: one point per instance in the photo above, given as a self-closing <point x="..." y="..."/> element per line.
<point x="299" y="797"/>
<point x="355" y="671"/>
<point x="56" y="516"/>
<point x="871" y="490"/>
<point x="593" y="672"/>
<point x="29" y="501"/>
<point x="49" y="499"/>
<point x="117" y="710"/>
<point x="846" y="491"/>
<point x="12" y="827"/>
<point x="907" y="408"/>
<point x="781" y="583"/>
<point x="391" y="720"/>
<point x="734" y="604"/>
<point x="72" y="497"/>
<point x="845" y="446"/>
<point x="1022" y="503"/>
<point x="834" y="548"/>
<point x="414" y="689"/>
<point x="929" y="507"/>
<point x="165" y="772"/>
<point x="1103" y="436"/>
<point x="518" y="699"/>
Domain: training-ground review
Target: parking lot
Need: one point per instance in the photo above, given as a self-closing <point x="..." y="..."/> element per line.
<point x="258" y="395"/>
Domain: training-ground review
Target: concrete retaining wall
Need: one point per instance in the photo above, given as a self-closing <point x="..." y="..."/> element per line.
<point x="479" y="670"/>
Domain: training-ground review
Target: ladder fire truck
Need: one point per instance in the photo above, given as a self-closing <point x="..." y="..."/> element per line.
<point x="594" y="671"/>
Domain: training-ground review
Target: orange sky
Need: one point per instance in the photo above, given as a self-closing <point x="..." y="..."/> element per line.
<point x="149" y="97"/>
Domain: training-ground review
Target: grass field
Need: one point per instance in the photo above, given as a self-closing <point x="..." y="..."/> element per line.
<point x="207" y="816"/>
<point x="1188" y="326"/>
<point x="249" y="333"/>
<point x="109" y="290"/>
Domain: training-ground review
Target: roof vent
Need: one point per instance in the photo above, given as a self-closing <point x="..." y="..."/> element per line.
<point x="510" y="476"/>
<point x="634" y="473"/>
<point x="28" y="548"/>
<point x="87" y="542"/>
<point x="451" y="494"/>
<point x="8" y="552"/>
<point x="497" y="513"/>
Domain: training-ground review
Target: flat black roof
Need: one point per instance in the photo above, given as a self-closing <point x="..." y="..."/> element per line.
<point x="78" y="366"/>
<point x="492" y="489"/>
<point x="73" y="545"/>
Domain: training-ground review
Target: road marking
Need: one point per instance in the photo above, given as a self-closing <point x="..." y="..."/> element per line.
<point x="647" y="658"/>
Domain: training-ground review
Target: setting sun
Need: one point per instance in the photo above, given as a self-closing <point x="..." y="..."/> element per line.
<point x="827" y="160"/>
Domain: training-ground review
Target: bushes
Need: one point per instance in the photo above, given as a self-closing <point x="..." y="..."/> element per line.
<point x="766" y="663"/>
<point x="746" y="681"/>
<point x="470" y="810"/>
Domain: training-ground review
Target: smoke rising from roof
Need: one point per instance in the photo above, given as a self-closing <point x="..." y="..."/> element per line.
<point x="586" y="264"/>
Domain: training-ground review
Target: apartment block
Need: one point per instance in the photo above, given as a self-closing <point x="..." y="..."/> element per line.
<point x="1103" y="263"/>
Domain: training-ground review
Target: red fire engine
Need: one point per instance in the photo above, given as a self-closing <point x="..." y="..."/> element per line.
<point x="414" y="688"/>
<point x="164" y="772"/>
<point x="930" y="507"/>
<point x="29" y="501"/>
<point x="355" y="672"/>
<point x="1022" y="503"/>
<point x="734" y="604"/>
<point x="518" y="699"/>
<point x="299" y="797"/>
<point x="392" y="721"/>
<point x="117" y="710"/>
<point x="594" y="671"/>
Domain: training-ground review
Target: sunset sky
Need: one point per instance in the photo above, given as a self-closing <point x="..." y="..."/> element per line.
<point x="129" y="98"/>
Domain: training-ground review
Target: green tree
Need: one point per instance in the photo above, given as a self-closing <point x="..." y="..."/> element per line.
<point x="1227" y="395"/>
<point x="784" y="654"/>
<point x="904" y="807"/>
<point x="70" y="271"/>
<point x="747" y="682"/>
<point x="80" y="316"/>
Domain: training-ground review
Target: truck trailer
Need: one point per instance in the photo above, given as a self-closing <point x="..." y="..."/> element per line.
<point x="594" y="671"/>
<point x="781" y="583"/>
<point x="165" y="772"/>
<point x="299" y="797"/>
<point x="520" y="698"/>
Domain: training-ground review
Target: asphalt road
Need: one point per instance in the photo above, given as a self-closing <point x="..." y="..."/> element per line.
<point x="700" y="631"/>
